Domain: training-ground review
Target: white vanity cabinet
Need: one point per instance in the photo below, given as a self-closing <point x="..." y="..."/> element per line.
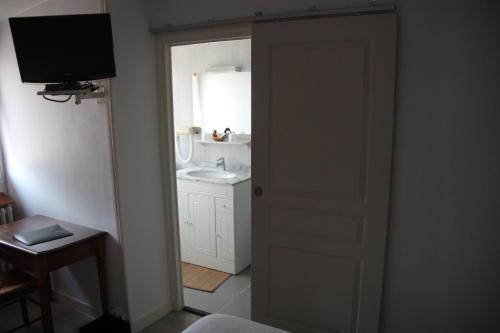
<point x="214" y="224"/>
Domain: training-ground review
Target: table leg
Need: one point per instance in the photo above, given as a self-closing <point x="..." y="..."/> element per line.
<point x="43" y="278"/>
<point x="101" y="271"/>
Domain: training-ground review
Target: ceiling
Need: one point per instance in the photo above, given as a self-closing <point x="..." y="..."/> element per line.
<point x="9" y="8"/>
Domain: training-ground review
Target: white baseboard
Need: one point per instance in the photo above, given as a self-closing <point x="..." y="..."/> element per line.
<point x="150" y="318"/>
<point x="73" y="303"/>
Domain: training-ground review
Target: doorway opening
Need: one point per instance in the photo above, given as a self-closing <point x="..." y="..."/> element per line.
<point x="211" y="108"/>
<point x="322" y="144"/>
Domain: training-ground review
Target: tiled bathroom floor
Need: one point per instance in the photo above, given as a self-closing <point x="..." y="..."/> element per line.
<point x="232" y="297"/>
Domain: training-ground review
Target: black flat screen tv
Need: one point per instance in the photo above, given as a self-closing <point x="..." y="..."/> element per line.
<point x="66" y="48"/>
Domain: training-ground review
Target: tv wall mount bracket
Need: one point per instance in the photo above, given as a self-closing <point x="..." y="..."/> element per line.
<point x="87" y="92"/>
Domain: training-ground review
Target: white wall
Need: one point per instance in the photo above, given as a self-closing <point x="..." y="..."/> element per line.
<point x="135" y="127"/>
<point x="190" y="59"/>
<point x="58" y="163"/>
<point x="442" y="268"/>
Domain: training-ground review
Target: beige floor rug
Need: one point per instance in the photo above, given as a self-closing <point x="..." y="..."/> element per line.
<point x="202" y="278"/>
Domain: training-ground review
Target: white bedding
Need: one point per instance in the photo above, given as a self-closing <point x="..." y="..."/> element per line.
<point x="221" y="323"/>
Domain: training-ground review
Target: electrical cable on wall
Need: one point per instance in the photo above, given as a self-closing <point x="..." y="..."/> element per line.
<point x="72" y="88"/>
<point x="191" y="148"/>
<point x="57" y="100"/>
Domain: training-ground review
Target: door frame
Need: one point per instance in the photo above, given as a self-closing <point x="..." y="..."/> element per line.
<point x="165" y="110"/>
<point x="211" y="31"/>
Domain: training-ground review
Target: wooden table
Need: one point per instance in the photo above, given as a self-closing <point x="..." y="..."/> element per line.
<point x="43" y="258"/>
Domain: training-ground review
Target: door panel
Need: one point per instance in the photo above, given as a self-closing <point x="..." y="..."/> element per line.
<point x="184" y="228"/>
<point x="334" y="74"/>
<point x="322" y="115"/>
<point x="202" y="218"/>
<point x="225" y="235"/>
<point x="343" y="228"/>
<point x="335" y="291"/>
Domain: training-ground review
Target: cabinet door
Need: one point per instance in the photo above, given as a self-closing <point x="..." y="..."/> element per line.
<point x="225" y="235"/>
<point x="184" y="229"/>
<point x="202" y="223"/>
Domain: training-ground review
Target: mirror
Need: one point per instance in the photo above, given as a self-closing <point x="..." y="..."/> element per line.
<point x="225" y="101"/>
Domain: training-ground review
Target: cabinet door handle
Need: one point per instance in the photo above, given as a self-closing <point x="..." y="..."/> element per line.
<point x="258" y="191"/>
<point x="219" y="235"/>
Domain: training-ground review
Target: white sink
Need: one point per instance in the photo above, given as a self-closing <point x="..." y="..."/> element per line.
<point x="211" y="174"/>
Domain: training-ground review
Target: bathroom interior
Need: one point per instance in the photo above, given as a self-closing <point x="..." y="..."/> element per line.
<point x="211" y="89"/>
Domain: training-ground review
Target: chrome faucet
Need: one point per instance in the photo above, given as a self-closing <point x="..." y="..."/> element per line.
<point x="221" y="162"/>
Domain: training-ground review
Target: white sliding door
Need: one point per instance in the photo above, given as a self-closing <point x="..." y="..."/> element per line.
<point x="322" y="116"/>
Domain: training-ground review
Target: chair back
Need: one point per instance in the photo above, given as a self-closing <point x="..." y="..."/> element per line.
<point x="6" y="216"/>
